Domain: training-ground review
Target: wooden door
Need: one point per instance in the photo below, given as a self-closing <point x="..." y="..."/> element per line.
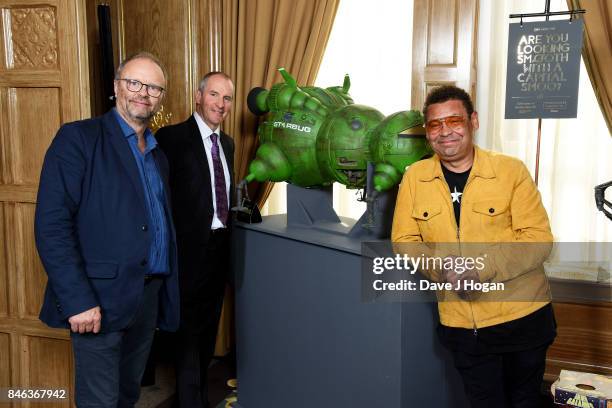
<point x="43" y="83"/>
<point x="443" y="46"/>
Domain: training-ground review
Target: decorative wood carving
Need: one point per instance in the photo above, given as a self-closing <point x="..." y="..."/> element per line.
<point x="160" y="119"/>
<point x="32" y="42"/>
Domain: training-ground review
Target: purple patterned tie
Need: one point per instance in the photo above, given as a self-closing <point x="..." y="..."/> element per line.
<point x="220" y="190"/>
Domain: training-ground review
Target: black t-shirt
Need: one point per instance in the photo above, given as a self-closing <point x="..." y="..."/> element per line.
<point x="456" y="184"/>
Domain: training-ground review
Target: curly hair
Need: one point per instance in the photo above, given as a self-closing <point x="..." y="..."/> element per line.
<point x="446" y="93"/>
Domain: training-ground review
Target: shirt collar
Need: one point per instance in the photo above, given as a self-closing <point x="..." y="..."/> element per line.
<point x="205" y="131"/>
<point x="128" y="132"/>
<point x="481" y="166"/>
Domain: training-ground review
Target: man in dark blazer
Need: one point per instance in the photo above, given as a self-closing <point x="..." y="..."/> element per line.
<point x="105" y="235"/>
<point x="201" y="161"/>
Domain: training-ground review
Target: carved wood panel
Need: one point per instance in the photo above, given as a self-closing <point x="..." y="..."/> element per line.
<point x="31" y="42"/>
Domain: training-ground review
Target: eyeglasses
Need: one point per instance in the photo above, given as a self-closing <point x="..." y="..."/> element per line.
<point x="135" y="86"/>
<point x="454" y="122"/>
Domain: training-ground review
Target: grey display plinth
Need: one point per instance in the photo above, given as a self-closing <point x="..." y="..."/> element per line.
<point x="306" y="339"/>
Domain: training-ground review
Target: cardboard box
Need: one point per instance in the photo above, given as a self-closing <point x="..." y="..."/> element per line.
<point x="584" y="390"/>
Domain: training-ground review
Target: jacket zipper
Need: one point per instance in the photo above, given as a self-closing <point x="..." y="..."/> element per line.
<point x="474" y="327"/>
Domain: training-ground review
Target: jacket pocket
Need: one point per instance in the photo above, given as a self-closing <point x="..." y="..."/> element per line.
<point x="493" y="219"/>
<point x="102" y="270"/>
<point x="429" y="219"/>
<point x="426" y="212"/>
<point x="491" y="208"/>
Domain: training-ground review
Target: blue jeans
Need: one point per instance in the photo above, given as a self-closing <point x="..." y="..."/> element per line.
<point x="109" y="366"/>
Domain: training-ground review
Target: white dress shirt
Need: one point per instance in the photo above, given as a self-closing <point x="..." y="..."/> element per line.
<point x="205" y="133"/>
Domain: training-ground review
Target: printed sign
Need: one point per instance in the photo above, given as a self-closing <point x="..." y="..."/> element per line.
<point x="543" y="69"/>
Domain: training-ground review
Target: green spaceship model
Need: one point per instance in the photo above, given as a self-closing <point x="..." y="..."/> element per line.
<point x="312" y="137"/>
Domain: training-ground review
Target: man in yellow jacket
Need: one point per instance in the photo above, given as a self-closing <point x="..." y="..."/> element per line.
<point x="461" y="196"/>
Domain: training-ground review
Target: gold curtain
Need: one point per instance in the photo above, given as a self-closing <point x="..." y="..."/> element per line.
<point x="257" y="38"/>
<point x="597" y="50"/>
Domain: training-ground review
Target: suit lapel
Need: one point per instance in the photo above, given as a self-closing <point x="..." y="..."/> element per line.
<point x="126" y="157"/>
<point x="198" y="145"/>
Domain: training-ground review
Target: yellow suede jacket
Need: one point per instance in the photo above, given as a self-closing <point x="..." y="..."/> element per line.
<point x="500" y="204"/>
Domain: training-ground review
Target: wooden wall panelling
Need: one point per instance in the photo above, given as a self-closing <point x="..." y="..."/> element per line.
<point x="206" y="49"/>
<point x="443" y="46"/>
<point x="12" y="278"/>
<point x="73" y="61"/>
<point x="163" y="27"/>
<point x="33" y="31"/>
<point x="48" y="364"/>
<point x="43" y="83"/>
<point x="179" y="33"/>
<point x="4" y="136"/>
<point x="4" y="276"/>
<point x="584" y="339"/>
<point x="31" y="275"/>
<point x="5" y="361"/>
<point x="30" y="137"/>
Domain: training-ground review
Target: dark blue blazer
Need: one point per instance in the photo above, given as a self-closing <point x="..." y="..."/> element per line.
<point x="91" y="227"/>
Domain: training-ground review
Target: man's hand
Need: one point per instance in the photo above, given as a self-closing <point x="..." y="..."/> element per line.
<point x="87" y="321"/>
<point x="449" y="274"/>
<point x="458" y="280"/>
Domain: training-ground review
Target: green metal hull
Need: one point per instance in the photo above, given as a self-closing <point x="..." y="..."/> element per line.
<point x="313" y="137"/>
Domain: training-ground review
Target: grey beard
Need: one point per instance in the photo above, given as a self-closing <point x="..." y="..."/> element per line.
<point x="144" y="119"/>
